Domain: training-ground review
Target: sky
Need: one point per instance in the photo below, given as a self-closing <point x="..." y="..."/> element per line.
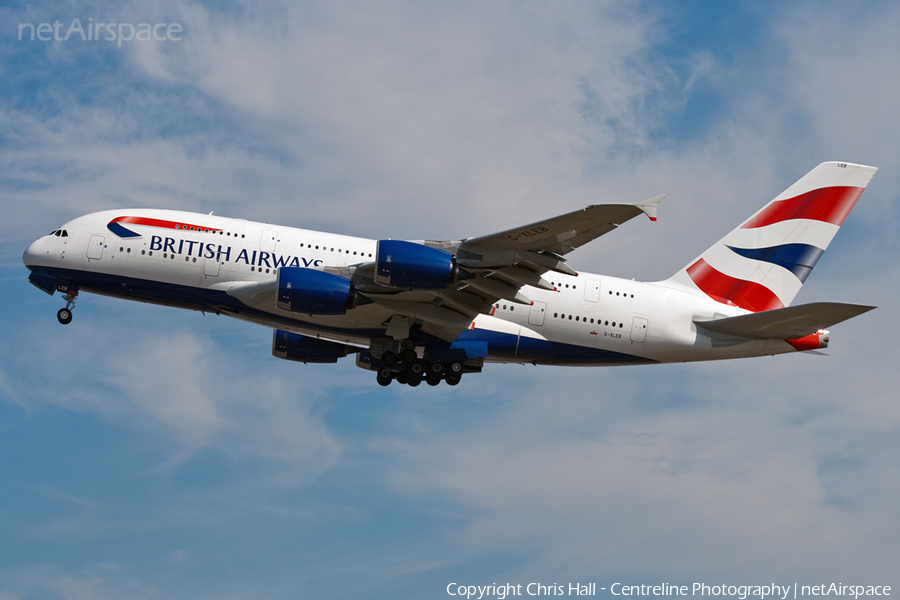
<point x="148" y="452"/>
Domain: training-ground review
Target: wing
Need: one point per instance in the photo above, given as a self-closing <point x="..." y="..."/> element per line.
<point x="560" y="235"/>
<point x="498" y="266"/>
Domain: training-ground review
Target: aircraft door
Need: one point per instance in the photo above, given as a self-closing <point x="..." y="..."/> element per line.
<point x="536" y="315"/>
<point x="211" y="267"/>
<point x="267" y="243"/>
<point x="639" y="329"/>
<point x="592" y="291"/>
<point x="95" y="247"/>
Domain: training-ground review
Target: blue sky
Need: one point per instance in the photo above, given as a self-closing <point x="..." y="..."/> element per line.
<point x="147" y="452"/>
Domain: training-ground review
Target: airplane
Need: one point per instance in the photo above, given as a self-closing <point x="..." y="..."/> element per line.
<point x="432" y="311"/>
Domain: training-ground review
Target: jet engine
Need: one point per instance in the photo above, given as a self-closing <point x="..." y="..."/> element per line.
<point x="314" y="292"/>
<point x="414" y="266"/>
<point x="293" y="346"/>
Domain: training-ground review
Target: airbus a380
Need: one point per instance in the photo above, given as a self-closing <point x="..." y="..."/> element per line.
<point x="435" y="310"/>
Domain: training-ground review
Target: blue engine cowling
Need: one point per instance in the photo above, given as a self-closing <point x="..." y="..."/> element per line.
<point x="314" y="292"/>
<point x="408" y="265"/>
<point x="293" y="346"/>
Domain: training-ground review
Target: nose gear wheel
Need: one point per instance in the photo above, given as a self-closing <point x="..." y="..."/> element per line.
<point x="64" y="315"/>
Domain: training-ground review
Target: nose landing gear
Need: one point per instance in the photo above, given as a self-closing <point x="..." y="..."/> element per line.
<point x="64" y="315"/>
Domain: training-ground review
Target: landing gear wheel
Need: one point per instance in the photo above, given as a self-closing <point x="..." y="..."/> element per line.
<point x="384" y="377"/>
<point x="455" y="368"/>
<point x="416" y="368"/>
<point x="453" y="379"/>
<point x="409" y="356"/>
<point x="389" y="358"/>
<point x="402" y="377"/>
<point x="433" y="379"/>
<point x="436" y="368"/>
<point x="65" y="314"/>
<point x="414" y="381"/>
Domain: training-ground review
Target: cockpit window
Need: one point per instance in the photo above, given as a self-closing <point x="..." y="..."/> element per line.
<point x="65" y="233"/>
<point x="58" y="233"/>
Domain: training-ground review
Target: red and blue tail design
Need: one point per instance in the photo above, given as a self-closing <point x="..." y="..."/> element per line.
<point x="762" y="264"/>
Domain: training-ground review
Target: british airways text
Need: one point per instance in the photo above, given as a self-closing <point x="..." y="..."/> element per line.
<point x="223" y="253"/>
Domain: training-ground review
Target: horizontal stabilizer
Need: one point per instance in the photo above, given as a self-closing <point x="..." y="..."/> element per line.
<point x="786" y="323"/>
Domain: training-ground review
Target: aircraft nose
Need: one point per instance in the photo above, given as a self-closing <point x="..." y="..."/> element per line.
<point x="34" y="252"/>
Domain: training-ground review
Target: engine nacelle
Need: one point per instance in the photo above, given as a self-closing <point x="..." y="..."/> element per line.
<point x="293" y="346"/>
<point x="415" y="266"/>
<point x="314" y="292"/>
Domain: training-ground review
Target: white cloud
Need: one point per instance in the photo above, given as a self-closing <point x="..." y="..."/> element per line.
<point x="176" y="382"/>
<point x="747" y="461"/>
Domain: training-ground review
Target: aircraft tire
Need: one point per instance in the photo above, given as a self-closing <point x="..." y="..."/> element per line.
<point x="389" y="358"/>
<point x="64" y="316"/>
<point x="455" y="367"/>
<point x="416" y="368"/>
<point x="453" y="379"/>
<point x="435" y="368"/>
<point x="414" y="381"/>
<point x="385" y="377"/>
<point x="432" y="379"/>
<point x="409" y="356"/>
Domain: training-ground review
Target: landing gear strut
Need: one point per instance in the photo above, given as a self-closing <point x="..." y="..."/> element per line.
<point x="65" y="314"/>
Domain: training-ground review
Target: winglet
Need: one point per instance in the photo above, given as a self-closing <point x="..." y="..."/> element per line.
<point x="649" y="205"/>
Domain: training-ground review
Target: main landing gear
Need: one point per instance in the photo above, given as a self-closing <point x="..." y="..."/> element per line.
<point x="395" y="358"/>
<point x="407" y="368"/>
<point x="65" y="314"/>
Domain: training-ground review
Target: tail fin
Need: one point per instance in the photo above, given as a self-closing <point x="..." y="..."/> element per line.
<point x="762" y="264"/>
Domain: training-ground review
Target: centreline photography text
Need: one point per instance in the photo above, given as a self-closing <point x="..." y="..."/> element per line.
<point x="741" y="592"/>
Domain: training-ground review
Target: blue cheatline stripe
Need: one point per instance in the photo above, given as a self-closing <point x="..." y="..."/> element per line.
<point x="799" y="259"/>
<point x="121" y="231"/>
<point x="544" y="352"/>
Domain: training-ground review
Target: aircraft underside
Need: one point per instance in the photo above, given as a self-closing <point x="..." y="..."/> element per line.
<point x="420" y="357"/>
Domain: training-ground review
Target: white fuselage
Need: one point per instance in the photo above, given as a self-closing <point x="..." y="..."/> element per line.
<point x="597" y="320"/>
